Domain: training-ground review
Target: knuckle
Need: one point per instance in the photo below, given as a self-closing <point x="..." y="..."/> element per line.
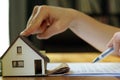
<point x="43" y="7"/>
<point x="36" y="7"/>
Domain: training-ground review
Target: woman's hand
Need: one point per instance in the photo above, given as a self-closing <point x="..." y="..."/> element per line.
<point x="115" y="43"/>
<point x="47" y="21"/>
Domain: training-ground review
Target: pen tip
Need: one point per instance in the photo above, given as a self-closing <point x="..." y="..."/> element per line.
<point x="96" y="60"/>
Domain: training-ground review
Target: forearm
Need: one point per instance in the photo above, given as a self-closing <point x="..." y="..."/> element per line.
<point x="92" y="31"/>
<point x="47" y="21"/>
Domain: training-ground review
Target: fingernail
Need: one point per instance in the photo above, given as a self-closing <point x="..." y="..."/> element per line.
<point x="22" y="33"/>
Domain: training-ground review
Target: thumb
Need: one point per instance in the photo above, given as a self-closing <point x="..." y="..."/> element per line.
<point x="110" y="43"/>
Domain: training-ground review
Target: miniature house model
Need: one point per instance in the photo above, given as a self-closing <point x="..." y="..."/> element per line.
<point x="23" y="59"/>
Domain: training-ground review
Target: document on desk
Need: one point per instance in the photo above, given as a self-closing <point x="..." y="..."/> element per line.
<point x="90" y="69"/>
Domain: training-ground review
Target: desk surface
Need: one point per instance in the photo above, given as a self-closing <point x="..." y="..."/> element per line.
<point x="71" y="57"/>
<point x="60" y="78"/>
<point x="80" y="57"/>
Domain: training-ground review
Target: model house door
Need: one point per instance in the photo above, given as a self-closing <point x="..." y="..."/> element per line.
<point x="38" y="66"/>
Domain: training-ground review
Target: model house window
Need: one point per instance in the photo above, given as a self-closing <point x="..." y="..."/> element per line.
<point x="19" y="49"/>
<point x="18" y="64"/>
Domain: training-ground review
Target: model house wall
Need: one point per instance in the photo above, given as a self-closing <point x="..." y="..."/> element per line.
<point x="22" y="60"/>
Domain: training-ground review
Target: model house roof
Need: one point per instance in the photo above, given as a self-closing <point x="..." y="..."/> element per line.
<point x="25" y="39"/>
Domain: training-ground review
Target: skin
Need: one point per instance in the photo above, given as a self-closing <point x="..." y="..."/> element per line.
<point x="47" y="21"/>
<point x="115" y="42"/>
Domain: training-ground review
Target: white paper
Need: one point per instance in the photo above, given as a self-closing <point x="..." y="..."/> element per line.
<point x="90" y="69"/>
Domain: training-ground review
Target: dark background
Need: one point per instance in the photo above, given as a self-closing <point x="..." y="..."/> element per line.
<point x="20" y="11"/>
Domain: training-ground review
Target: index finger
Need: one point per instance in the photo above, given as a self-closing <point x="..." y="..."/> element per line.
<point x="35" y="22"/>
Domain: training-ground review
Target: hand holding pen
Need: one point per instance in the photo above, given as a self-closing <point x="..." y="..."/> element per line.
<point x="104" y="54"/>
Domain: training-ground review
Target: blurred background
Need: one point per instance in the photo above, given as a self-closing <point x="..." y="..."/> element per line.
<point x="19" y="11"/>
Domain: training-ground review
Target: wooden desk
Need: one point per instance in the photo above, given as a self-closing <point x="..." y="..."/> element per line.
<point x="71" y="57"/>
<point x="80" y="57"/>
<point x="59" y="78"/>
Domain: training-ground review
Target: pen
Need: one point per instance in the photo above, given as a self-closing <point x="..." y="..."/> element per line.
<point x="103" y="54"/>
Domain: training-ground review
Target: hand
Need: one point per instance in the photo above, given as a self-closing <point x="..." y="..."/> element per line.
<point x="47" y="21"/>
<point x="115" y="42"/>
